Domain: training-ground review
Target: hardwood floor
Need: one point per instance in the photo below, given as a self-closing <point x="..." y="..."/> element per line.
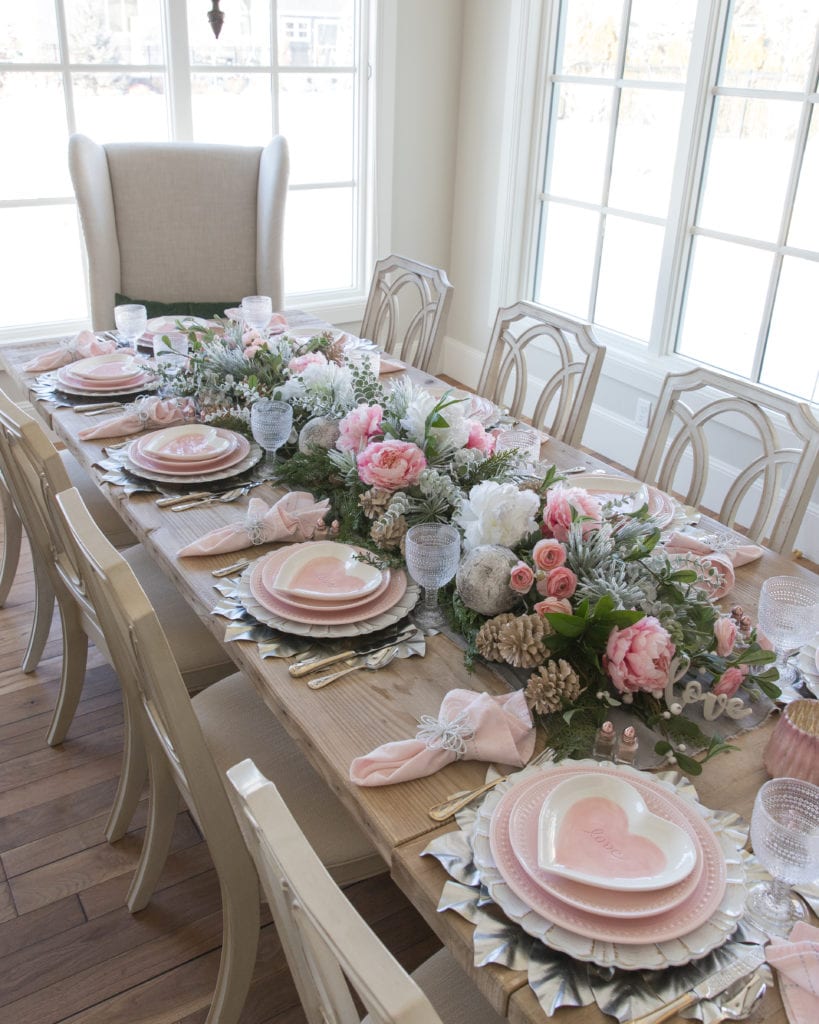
<point x="69" y="949"/>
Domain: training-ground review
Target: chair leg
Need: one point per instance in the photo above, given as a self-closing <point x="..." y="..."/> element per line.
<point x="43" y="616"/>
<point x="132" y="777"/>
<point x="240" y="940"/>
<point x="163" y="806"/>
<point x="75" y="658"/>
<point x="13" y="531"/>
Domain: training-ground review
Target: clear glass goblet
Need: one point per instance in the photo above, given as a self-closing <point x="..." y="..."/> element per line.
<point x="131" y="321"/>
<point x="432" y="552"/>
<point x="785" y="839"/>
<point x="256" y="312"/>
<point x="270" y="423"/>
<point x="788" y="615"/>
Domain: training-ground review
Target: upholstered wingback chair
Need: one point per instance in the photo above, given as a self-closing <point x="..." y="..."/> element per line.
<point x="180" y="222"/>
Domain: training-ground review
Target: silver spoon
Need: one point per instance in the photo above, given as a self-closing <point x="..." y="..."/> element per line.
<point x="226" y="496"/>
<point x="374" y="661"/>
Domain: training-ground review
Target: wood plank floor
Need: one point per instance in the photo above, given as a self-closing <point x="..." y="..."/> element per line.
<point x="69" y="949"/>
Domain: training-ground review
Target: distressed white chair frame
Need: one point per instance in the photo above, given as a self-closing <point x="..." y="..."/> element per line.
<point x="567" y="395"/>
<point x="406" y="309"/>
<point x="677" y="436"/>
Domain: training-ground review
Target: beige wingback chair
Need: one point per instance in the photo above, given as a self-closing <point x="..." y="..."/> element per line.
<point x="179" y="222"/>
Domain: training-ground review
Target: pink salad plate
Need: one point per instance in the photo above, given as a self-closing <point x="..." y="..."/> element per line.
<point x="320" y="616"/>
<point x="631" y="493"/>
<point x="326" y="571"/>
<point x="691" y="912"/>
<point x="143" y="460"/>
<point x="188" y="442"/>
<point x="271" y="570"/>
<point x="166" y="324"/>
<point x="523" y="835"/>
<point x="114" y="368"/>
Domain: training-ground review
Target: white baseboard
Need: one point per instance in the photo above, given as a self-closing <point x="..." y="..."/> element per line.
<point x="616" y="437"/>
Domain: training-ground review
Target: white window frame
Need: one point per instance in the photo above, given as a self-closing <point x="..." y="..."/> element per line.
<point x="374" y="47"/>
<point x="642" y="365"/>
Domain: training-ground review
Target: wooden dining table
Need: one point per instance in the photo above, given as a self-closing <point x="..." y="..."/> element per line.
<point x="353" y="716"/>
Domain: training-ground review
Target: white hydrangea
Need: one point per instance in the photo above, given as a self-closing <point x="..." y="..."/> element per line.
<point x="323" y="389"/>
<point x="497" y="514"/>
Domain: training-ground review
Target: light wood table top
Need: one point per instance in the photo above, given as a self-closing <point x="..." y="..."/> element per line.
<point x="350" y="718"/>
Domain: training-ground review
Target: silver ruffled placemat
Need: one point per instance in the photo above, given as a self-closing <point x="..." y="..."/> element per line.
<point x="556" y="978"/>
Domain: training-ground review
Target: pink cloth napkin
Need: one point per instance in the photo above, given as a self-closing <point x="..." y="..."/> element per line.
<point x="392" y="365"/>
<point x="470" y="726"/>
<point x="146" y="412"/>
<point x="295" y="517"/>
<point x="724" y="559"/>
<point x="82" y="346"/>
<point x="797" y="963"/>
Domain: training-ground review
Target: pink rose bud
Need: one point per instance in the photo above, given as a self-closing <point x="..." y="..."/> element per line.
<point x="553" y="604"/>
<point x="729" y="682"/>
<point x="548" y="554"/>
<point x="561" y="582"/>
<point x="521" y="578"/>
<point x="725" y="631"/>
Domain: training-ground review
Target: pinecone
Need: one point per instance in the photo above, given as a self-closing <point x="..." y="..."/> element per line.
<point x="374" y="502"/>
<point x="486" y="641"/>
<point x="520" y="642"/>
<point x="388" y="533"/>
<point x="555" y="685"/>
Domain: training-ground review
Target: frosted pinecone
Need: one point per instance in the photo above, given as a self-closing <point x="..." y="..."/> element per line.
<point x="374" y="502"/>
<point x="520" y="642"/>
<point x="388" y="531"/>
<point x="555" y="685"/>
<point x="486" y="641"/>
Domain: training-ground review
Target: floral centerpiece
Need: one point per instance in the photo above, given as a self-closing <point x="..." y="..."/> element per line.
<point x="597" y="616"/>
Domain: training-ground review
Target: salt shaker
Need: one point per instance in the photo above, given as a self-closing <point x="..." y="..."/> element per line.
<point x="605" y="742"/>
<point x="627" y="750"/>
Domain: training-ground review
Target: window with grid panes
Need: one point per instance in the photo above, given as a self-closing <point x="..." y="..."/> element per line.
<point x="151" y="70"/>
<point x="679" y="207"/>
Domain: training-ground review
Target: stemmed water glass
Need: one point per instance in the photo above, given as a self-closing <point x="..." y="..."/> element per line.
<point x="256" y="312"/>
<point x="785" y="839"/>
<point x="131" y="320"/>
<point x="270" y="423"/>
<point x="432" y="553"/>
<point x="788" y="616"/>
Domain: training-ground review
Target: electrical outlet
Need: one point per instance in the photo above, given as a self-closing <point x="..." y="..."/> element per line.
<point x="643" y="412"/>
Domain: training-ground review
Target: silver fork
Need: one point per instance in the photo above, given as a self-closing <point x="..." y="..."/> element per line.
<point x="739" y="1005"/>
<point x="225" y="497"/>
<point x="442" y="811"/>
<point x="374" y="661"/>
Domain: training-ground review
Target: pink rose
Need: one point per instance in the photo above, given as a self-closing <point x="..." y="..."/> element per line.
<point x="521" y="578"/>
<point x="391" y="464"/>
<point x="638" y="657"/>
<point x="553" y="604"/>
<point x="557" y="516"/>
<point x="729" y="682"/>
<point x="359" y="427"/>
<point x="725" y="631"/>
<point x="298" y="364"/>
<point x="561" y="582"/>
<point x="251" y="351"/>
<point x="253" y="337"/>
<point x="479" y="438"/>
<point x="548" y="554"/>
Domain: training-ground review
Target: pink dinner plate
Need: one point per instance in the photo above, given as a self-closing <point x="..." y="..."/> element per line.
<point x="113" y="368"/>
<point x="690" y="913"/>
<point x="393" y="593"/>
<point x="271" y="571"/>
<point x="523" y="834"/>
<point x="145" y="461"/>
<point x="65" y="376"/>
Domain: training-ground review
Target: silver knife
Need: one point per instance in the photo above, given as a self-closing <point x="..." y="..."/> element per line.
<point x="302" y="668"/>
<point x="708" y="987"/>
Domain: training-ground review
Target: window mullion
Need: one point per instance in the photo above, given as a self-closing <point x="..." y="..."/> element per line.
<point x="65" y="70"/>
<point x="178" y="69"/>
<point x="696" y="125"/>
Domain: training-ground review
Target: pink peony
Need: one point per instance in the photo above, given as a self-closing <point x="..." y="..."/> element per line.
<point x="725" y="631"/>
<point x="252" y="339"/>
<point x="557" y="516"/>
<point x="521" y="578"/>
<point x="479" y="438"/>
<point x="298" y="364"/>
<point x="729" y="682"/>
<point x="561" y="582"/>
<point x="251" y="351"/>
<point x="553" y="604"/>
<point x="638" y="657"/>
<point x="359" y="427"/>
<point x="548" y="554"/>
<point x="391" y="465"/>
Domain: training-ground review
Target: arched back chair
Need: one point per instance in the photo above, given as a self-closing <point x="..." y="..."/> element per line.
<point x="180" y="223"/>
<point x="406" y="309"/>
<point x="530" y="342"/>
<point x="191" y="742"/>
<point x="773" y="439"/>
<point x="327" y="944"/>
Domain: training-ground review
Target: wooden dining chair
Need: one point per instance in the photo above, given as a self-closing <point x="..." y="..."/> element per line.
<point x="35" y="471"/>
<point x="191" y="742"/>
<point x="406" y="309"/>
<point x="187" y="226"/>
<point x="706" y="424"/>
<point x="534" y="349"/>
<point x="329" y="947"/>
